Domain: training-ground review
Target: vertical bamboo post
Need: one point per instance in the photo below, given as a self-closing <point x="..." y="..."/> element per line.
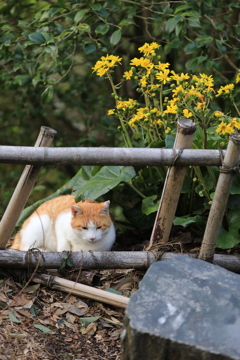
<point x="220" y="199"/>
<point x="173" y="185"/>
<point x="22" y="190"/>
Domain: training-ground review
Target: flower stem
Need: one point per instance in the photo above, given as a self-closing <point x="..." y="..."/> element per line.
<point x="126" y="135"/>
<point x="136" y="190"/>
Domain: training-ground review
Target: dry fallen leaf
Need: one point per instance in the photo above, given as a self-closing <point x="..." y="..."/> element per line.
<point x="90" y="329"/>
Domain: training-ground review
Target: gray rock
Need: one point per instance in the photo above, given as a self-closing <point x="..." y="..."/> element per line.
<point x="185" y="309"/>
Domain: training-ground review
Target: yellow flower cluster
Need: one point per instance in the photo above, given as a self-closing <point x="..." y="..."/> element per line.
<point x="227" y="128"/>
<point x="225" y="89"/>
<point x="187" y="95"/>
<point x="149" y="49"/>
<point x="145" y="114"/>
<point x="105" y="64"/>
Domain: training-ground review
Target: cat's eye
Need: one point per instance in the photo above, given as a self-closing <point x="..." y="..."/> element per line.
<point x="84" y="227"/>
<point x="99" y="227"/>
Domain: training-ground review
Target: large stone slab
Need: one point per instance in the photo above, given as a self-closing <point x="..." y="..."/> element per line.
<point x="185" y="309"/>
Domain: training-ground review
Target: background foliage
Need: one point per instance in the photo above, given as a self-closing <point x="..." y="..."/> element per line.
<point x="48" y="49"/>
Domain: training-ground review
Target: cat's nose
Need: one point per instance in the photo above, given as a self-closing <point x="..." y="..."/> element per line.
<point x="92" y="238"/>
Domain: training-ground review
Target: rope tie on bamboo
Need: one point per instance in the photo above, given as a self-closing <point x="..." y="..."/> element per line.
<point x="177" y="157"/>
<point x="37" y="254"/>
<point x="225" y="169"/>
<point x="95" y="260"/>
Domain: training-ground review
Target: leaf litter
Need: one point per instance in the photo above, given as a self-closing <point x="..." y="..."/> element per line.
<point x="46" y="324"/>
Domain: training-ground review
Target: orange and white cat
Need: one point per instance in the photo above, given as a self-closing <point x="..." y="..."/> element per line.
<point x="62" y="224"/>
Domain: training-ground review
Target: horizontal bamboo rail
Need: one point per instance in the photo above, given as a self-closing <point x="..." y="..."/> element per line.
<point x="109" y="156"/>
<point x="139" y="260"/>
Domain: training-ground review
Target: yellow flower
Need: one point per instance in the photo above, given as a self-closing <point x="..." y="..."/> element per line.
<point x="218" y="113"/>
<point x="149" y="49"/>
<point x="187" y="113"/>
<point x="225" y="89"/>
<point x="142" y="113"/>
<point x="111" y="112"/>
<point x="128" y="74"/>
<point x="163" y="76"/>
<point x="207" y="80"/>
<point x="237" y="80"/>
<point x="102" y="66"/>
<point x="171" y="109"/>
<point x="124" y="105"/>
<point x="200" y="105"/>
<point x="177" y="90"/>
<point x="143" y="81"/>
<point x="181" y="77"/>
<point x="235" y="123"/>
<point x="224" y="128"/>
<point x="161" y="66"/>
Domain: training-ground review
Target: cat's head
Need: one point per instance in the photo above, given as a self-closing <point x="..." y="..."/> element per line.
<point x="90" y="220"/>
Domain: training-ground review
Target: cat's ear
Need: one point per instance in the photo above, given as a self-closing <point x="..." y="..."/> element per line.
<point x="75" y="210"/>
<point x="105" y="209"/>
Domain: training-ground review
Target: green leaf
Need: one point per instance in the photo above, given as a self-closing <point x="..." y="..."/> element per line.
<point x="13" y="318"/>
<point x="181" y="7"/>
<point x="105" y="180"/>
<point x="88" y="320"/>
<point x="230" y="238"/>
<point x="6" y="27"/>
<point x="115" y="37"/>
<point x="33" y="310"/>
<point x="220" y="45"/>
<point x="3" y="304"/>
<point x="169" y="141"/>
<point x="194" y="22"/>
<point x="96" y="7"/>
<point x="89" y="48"/>
<point x="52" y="50"/>
<point x="37" y="38"/>
<point x="84" y="28"/>
<point x="203" y="40"/>
<point x="80" y="15"/>
<point x="111" y="290"/>
<point x="126" y="22"/>
<point x="171" y="23"/>
<point x="102" y="29"/>
<point x="192" y="64"/>
<point x="190" y="48"/>
<point x="149" y="206"/>
<point x="44" y="329"/>
<point x="83" y="175"/>
<point x="184" y="221"/>
<point x="47" y="94"/>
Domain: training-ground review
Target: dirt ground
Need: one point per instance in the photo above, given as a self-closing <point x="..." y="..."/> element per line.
<point x="37" y="322"/>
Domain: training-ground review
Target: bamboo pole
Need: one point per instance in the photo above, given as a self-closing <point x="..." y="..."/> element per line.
<point x="138" y="260"/>
<point x="55" y="282"/>
<point x="220" y="198"/>
<point x="173" y="185"/>
<point x="108" y="156"/>
<point x="22" y="190"/>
